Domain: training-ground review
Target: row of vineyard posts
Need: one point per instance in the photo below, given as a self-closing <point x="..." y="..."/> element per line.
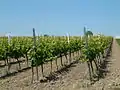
<point x="37" y="50"/>
<point x="62" y="47"/>
<point x="40" y="50"/>
<point x="95" y="52"/>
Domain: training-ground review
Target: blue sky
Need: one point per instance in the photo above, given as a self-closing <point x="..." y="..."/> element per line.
<point x="57" y="17"/>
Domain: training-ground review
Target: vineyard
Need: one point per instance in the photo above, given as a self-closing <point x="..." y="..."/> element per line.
<point x="53" y="52"/>
<point x="50" y="48"/>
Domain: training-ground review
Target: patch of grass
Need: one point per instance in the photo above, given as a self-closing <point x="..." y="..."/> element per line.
<point x="118" y="41"/>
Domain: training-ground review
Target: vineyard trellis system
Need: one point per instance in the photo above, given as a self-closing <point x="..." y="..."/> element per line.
<point x="40" y="50"/>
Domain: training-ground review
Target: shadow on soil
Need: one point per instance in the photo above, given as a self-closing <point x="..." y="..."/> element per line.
<point x="105" y="64"/>
<point x="14" y="73"/>
<point x="103" y="68"/>
<point x="55" y="75"/>
<point x="52" y="77"/>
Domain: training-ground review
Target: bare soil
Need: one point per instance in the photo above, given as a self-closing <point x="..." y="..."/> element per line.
<point x="74" y="77"/>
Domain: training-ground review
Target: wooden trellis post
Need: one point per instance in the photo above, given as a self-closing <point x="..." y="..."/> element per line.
<point x="34" y="59"/>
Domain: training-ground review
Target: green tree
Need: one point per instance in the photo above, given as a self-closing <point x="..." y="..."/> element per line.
<point x="89" y="33"/>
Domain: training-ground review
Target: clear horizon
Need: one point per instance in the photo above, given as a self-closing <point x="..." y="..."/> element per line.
<point x="58" y="17"/>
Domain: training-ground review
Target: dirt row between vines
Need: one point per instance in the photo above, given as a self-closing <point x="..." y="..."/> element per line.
<point x="61" y="79"/>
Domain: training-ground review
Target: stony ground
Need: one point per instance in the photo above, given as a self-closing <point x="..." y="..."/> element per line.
<point x="73" y="78"/>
